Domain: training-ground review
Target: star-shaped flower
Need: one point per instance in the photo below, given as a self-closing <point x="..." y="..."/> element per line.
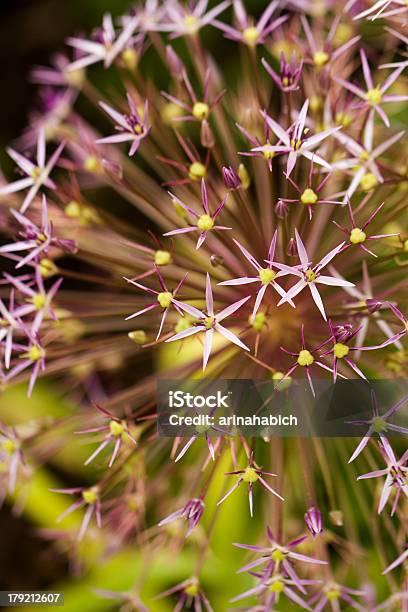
<point x="248" y="32"/>
<point x="133" y="127"/>
<point x="209" y="322"/>
<point x="36" y="240"/>
<point x="378" y="423"/>
<point x="265" y="276"/>
<point x="187" y="20"/>
<point x="37" y="175"/>
<point x="293" y="141"/>
<point x="374" y="96"/>
<point x="163" y="299"/>
<point x="396" y="474"/>
<point x="251" y="474"/>
<point x="363" y="162"/>
<point x="310" y="275"/>
<point x="108" y="44"/>
<point x="204" y="223"/>
<point x="358" y="235"/>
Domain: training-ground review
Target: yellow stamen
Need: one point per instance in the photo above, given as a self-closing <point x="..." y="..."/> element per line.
<point x="340" y="350"/>
<point x="250" y="36"/>
<point x="320" y="58"/>
<point x="357" y="235"/>
<point x="164" y="298"/>
<point x="162" y="258"/>
<point x="310" y="276"/>
<point x="368" y="181"/>
<point x="250" y="475"/>
<point x="266" y="276"/>
<point x="138" y="336"/>
<point x="374" y="96"/>
<point x="197" y="171"/>
<point x="90" y="496"/>
<point x="205" y="223"/>
<point x="308" y="197"/>
<point x="201" y="110"/>
<point x="258" y="321"/>
<point x="305" y="358"/>
<point x="116" y="429"/>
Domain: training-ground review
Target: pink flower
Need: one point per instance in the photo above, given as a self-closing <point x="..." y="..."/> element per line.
<point x="108" y="46"/>
<point x="396" y="474"/>
<point x="374" y="96"/>
<point x="248" y="32"/>
<point x="251" y="474"/>
<point x="133" y="127"/>
<point x="205" y="222"/>
<point x="378" y="424"/>
<point x="265" y="276"/>
<point x="310" y="275"/>
<point x="293" y="141"/>
<point x="164" y="299"/>
<point x="188" y="20"/>
<point x="209" y="322"/>
<point x="37" y="174"/>
<point x="37" y="240"/>
<point x="191" y="511"/>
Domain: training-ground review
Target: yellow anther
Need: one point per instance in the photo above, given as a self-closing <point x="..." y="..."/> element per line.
<point x="35" y="173"/>
<point x="310" y="276"/>
<point x="90" y="496"/>
<point x="197" y="171"/>
<point x="308" y="197"/>
<point x="92" y="164"/>
<point x="379" y="425"/>
<point x="9" y="446"/>
<point x="35" y="353"/>
<point x="244" y="176"/>
<point x="39" y="300"/>
<point x="162" y="258"/>
<point x="250" y="36"/>
<point x="266" y="275"/>
<point x="357" y="235"/>
<point x="182" y="324"/>
<point x="201" y="110"/>
<point x="277" y="555"/>
<point x="209" y="322"/>
<point x="130" y="58"/>
<point x="191" y="23"/>
<point x="276" y="586"/>
<point x="305" y="358"/>
<point x="192" y="589"/>
<point x="205" y="223"/>
<point x="170" y="112"/>
<point x="138" y="336"/>
<point x="250" y="475"/>
<point x="164" y="298"/>
<point x="47" y="267"/>
<point x="320" y="58"/>
<point x="364" y="156"/>
<point x="343" y="119"/>
<point x="340" y="350"/>
<point x="333" y="594"/>
<point x="374" y="96"/>
<point x="116" y="429"/>
<point x="258" y="321"/>
<point x="280" y="384"/>
<point x="368" y="181"/>
<point x="180" y="211"/>
<point x="75" y="78"/>
<point x="268" y="154"/>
